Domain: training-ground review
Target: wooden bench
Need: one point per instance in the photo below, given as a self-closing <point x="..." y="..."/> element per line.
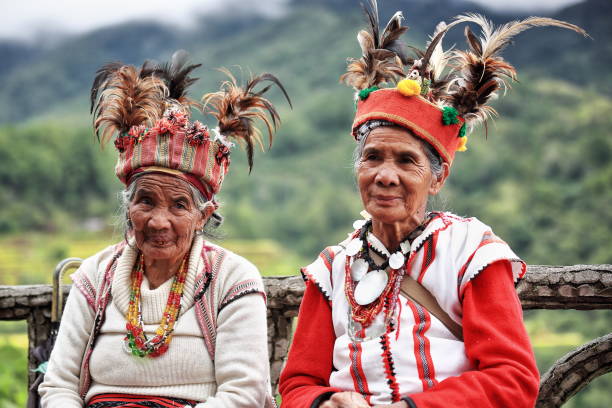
<point x="583" y="287"/>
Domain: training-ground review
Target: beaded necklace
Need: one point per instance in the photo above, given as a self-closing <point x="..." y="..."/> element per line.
<point x="136" y="341"/>
<point x="364" y="314"/>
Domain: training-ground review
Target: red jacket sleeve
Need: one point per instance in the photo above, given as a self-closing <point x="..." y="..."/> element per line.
<point x="309" y="364"/>
<point x="496" y="343"/>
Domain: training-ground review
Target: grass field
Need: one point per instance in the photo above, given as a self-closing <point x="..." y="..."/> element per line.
<point x="31" y="258"/>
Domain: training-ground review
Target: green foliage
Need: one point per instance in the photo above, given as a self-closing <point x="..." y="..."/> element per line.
<point x="557" y="332"/>
<point x="543" y="177"/>
<point x="51" y="173"/>
<point x="13" y="375"/>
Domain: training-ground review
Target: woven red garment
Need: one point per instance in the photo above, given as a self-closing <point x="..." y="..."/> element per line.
<point x="198" y="164"/>
<point x="136" y="401"/>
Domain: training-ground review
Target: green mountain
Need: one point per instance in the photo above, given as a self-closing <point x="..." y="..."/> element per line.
<point x="542" y="176"/>
<point x="35" y="80"/>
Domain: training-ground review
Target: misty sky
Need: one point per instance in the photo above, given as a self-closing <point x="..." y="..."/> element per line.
<point x="26" y="19"/>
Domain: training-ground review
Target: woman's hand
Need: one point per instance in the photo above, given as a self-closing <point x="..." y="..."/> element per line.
<point x="399" y="404"/>
<point x="346" y="399"/>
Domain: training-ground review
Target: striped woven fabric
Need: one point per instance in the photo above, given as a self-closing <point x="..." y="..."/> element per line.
<point x="136" y="401"/>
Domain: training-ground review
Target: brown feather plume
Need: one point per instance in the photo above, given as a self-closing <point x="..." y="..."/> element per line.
<point x="101" y="80"/>
<point x="480" y="72"/>
<point x="382" y="54"/>
<point x="175" y="75"/>
<point x="126" y="99"/>
<point x="432" y="61"/>
<point x="236" y="109"/>
<point x="431" y="64"/>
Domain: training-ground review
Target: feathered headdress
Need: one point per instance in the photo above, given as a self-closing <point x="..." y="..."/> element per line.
<point x="236" y="109"/>
<point x="148" y="109"/>
<point x="438" y="94"/>
<point x="479" y="72"/>
<point x="175" y="75"/>
<point x="126" y="99"/>
<point x="383" y="56"/>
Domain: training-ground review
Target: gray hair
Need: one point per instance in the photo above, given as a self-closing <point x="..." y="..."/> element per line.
<point x="127" y="195"/>
<point x="435" y="161"/>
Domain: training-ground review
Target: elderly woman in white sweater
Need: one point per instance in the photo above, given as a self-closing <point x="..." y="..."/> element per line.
<point x="165" y="318"/>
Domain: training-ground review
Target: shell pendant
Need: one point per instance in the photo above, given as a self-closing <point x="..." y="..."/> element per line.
<point x="397" y="260"/>
<point x="354" y="247"/>
<point x="370" y="287"/>
<point x="358" y="269"/>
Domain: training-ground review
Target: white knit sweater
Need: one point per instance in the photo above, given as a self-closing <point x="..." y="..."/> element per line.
<point x="238" y="376"/>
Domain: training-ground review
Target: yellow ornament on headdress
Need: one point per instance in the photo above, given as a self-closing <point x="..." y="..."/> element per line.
<point x="409" y="87"/>
<point x="463" y="145"/>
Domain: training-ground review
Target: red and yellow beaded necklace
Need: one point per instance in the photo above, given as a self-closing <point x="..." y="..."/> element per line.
<point x="364" y="314"/>
<point x="136" y="340"/>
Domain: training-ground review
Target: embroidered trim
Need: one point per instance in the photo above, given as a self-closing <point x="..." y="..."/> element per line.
<point x="101" y="302"/>
<point x="327" y="255"/>
<point x="207" y="325"/>
<point x="324" y="260"/>
<point x="132" y="400"/>
<point x="429" y="254"/>
<point x="240" y="289"/>
<point x="489" y="238"/>
<point x="422" y="353"/>
<point x="455" y="217"/>
<point x="307" y="276"/>
<point x="389" y="367"/>
<point x="360" y="380"/>
<point x="512" y="261"/>
<point x="203" y="280"/>
<point x="206" y="301"/>
<point x="82" y="282"/>
<point x="248" y="292"/>
<point x="439" y="217"/>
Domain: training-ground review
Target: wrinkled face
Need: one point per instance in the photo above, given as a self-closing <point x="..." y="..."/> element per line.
<point x="395" y="178"/>
<point x="164" y="217"/>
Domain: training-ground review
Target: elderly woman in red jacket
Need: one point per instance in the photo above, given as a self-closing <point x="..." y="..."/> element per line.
<point x="415" y="308"/>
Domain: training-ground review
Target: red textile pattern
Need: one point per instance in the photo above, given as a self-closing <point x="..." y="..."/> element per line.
<point x="429" y="254"/>
<point x="136" y="401"/>
<point x="422" y="350"/>
<point x="389" y="367"/>
<point x="497" y="345"/>
<point x="309" y="363"/>
<point x="174" y="145"/>
<point x="359" y="379"/>
<point x="504" y="375"/>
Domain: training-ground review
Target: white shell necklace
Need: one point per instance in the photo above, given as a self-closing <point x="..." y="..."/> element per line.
<point x="372" y="278"/>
